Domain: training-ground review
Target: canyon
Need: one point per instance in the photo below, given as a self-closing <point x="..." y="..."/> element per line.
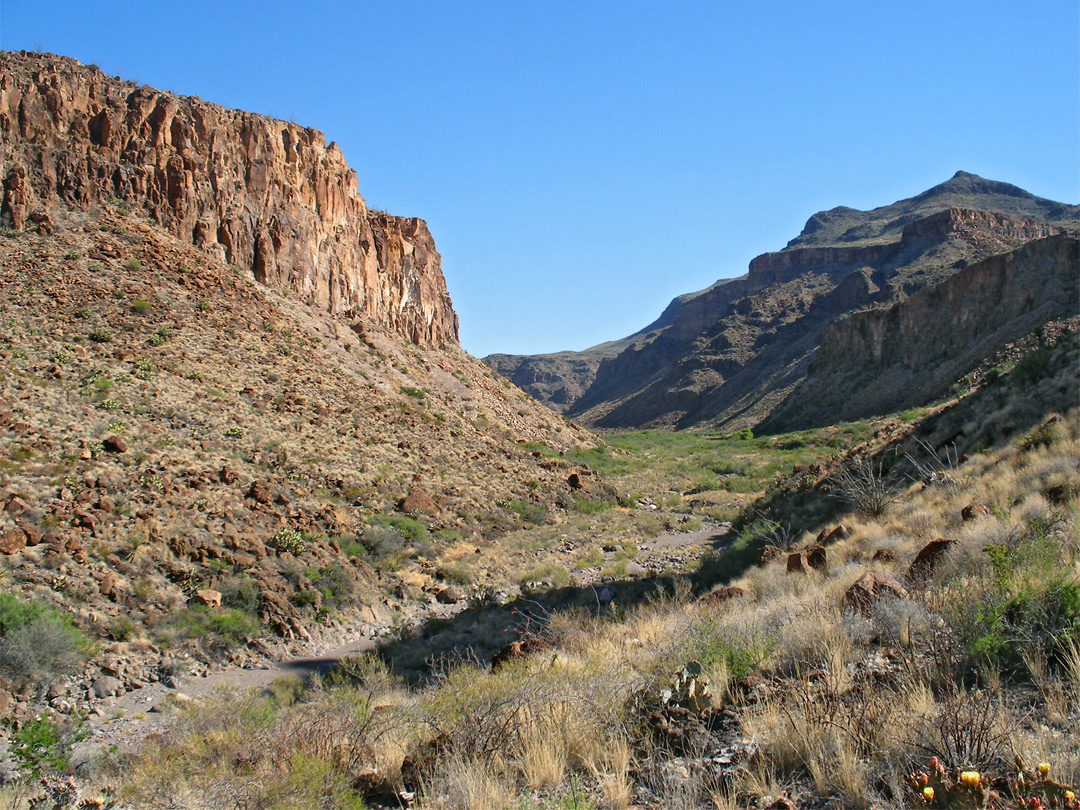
<point x="729" y="355"/>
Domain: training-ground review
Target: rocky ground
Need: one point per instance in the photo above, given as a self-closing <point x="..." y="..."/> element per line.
<point x="190" y="458"/>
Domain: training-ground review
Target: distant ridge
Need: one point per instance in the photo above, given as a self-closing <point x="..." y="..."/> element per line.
<point x="728" y="355"/>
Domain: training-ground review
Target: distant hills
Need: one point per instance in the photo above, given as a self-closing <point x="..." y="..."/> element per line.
<point x="731" y="354"/>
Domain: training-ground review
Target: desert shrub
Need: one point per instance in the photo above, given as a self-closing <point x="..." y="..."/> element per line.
<point x="535" y="513"/>
<point x="240" y="592"/>
<point x="864" y="487"/>
<point x="37" y="642"/>
<point x="587" y="507"/>
<point x="708" y="643"/>
<point x="41" y="745"/>
<point x="140" y="306"/>
<point x="1031" y="609"/>
<point x="334" y="582"/>
<point x="383" y="542"/>
<point x="1031" y="368"/>
<point x="226" y="627"/>
<point x="121" y="628"/>
<point x="389" y="538"/>
<point x="100" y="335"/>
<point x="968" y="726"/>
<point x="290" y="540"/>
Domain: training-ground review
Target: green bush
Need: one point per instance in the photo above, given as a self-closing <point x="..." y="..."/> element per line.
<point x="585" y="506"/>
<point x="1031" y="368"/>
<point x="1033" y="607"/>
<point x="411" y="529"/>
<point x="140" y="306"/>
<point x="225" y="627"/>
<point x="100" y="335"/>
<point x="41" y="746"/>
<point x="535" y="513"/>
<point x="37" y="642"/>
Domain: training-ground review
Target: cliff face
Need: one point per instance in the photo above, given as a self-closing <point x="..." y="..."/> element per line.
<point x="881" y="360"/>
<point x="264" y="195"/>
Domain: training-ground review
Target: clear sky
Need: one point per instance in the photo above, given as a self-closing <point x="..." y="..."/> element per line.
<point x="581" y="163"/>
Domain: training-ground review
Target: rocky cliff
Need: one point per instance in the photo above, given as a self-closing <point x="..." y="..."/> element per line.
<point x="267" y="196"/>
<point x="730" y="354"/>
<point x="882" y="360"/>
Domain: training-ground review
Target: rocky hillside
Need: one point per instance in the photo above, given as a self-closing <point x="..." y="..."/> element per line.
<point x="232" y="414"/>
<point x="881" y="360"/>
<point x="732" y="353"/>
<point x="267" y="196"/>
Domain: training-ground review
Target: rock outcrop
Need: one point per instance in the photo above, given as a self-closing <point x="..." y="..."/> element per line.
<point x="267" y="196"/>
<point x="881" y="360"/>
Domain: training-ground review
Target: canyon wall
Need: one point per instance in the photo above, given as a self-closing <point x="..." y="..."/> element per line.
<point x="268" y="196"/>
<point x="882" y="360"/>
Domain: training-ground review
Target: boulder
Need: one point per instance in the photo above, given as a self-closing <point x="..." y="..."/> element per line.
<point x="450" y="595"/>
<point x="871" y="587"/>
<point x="260" y="492"/>
<point x="817" y="558"/>
<point x="926" y="561"/>
<point x="798" y="564"/>
<point x="973" y="511"/>
<point x="767" y="555"/>
<point x="12" y="541"/>
<point x="419" y="501"/>
<point x="106" y="686"/>
<point x="835" y="536"/>
<point x="208" y="597"/>
<point x="115" y="444"/>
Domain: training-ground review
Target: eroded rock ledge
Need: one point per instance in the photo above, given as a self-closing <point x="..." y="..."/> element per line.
<point x="265" y="195"/>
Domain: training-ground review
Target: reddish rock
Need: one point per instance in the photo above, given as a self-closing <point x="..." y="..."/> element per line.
<point x="835" y="536"/>
<point x="973" y="511"/>
<point x="228" y="475"/>
<point x="260" y="492"/>
<point x="767" y="555"/>
<point x="86" y="520"/>
<point x="798" y="564"/>
<point x="922" y="568"/>
<point x="33" y="533"/>
<point x="721" y="595"/>
<point x="418" y="501"/>
<point x="515" y="651"/>
<point x="883" y="555"/>
<point x="575" y="481"/>
<point x="871" y="587"/>
<point x="107" y="586"/>
<point x="7" y="704"/>
<point x="208" y="597"/>
<point x="817" y="558"/>
<point x="450" y="595"/>
<point x="115" y="444"/>
<point x="12" y="541"/>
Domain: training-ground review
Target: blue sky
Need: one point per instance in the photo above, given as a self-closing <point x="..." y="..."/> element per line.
<point x="582" y="163"/>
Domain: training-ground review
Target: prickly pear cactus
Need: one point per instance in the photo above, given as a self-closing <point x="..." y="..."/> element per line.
<point x="961" y="790"/>
<point x="688" y="690"/>
<point x="1033" y="788"/>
